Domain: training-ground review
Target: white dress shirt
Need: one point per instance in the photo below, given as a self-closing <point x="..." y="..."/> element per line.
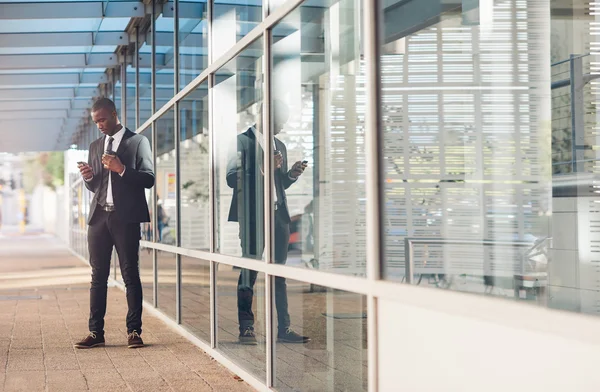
<point x="115" y="145"/>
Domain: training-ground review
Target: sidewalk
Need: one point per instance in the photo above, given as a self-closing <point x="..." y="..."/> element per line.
<point x="44" y="299"/>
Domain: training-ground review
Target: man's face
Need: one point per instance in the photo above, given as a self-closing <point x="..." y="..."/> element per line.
<point x="105" y="120"/>
<point x="279" y="122"/>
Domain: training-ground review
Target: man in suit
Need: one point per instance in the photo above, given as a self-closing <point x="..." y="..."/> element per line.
<point x="119" y="168"/>
<point x="245" y="174"/>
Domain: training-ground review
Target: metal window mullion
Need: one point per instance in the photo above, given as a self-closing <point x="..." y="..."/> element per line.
<point x="153" y="109"/>
<point x="373" y="19"/>
<point x="214" y="331"/>
<point x="268" y="208"/>
<point x="209" y="16"/>
<point x="176" y="47"/>
<point x="212" y="217"/>
<point x="177" y="138"/>
<point x="124" y="89"/>
<point x="153" y="62"/>
<point x="154" y="228"/>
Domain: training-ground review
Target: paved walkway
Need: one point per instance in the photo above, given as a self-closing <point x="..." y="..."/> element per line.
<point x="44" y="299"/>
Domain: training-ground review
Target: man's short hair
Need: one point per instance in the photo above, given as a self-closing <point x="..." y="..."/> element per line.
<point x="104" y="103"/>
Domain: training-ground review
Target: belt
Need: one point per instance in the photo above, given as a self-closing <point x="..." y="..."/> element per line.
<point x="108" y="208"/>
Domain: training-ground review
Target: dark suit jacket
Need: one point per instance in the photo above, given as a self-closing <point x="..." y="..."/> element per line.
<point x="246" y="179"/>
<point x="128" y="191"/>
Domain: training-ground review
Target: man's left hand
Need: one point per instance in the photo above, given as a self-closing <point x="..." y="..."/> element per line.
<point x="112" y="163"/>
<point x="297" y="169"/>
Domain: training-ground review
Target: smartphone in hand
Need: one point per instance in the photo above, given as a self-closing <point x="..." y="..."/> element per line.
<point x="82" y="163"/>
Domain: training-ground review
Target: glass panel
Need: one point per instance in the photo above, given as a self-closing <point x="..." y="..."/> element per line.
<point x="232" y="20"/>
<point x="145" y="95"/>
<point x="194" y="169"/>
<point x="241" y="317"/>
<point x="335" y="357"/>
<point x="167" y="283"/>
<point x="466" y="107"/>
<point x="117" y="99"/>
<point x="195" y="296"/>
<point x="166" y="182"/>
<point x="165" y="53"/>
<point x="318" y="117"/>
<point x="145" y="89"/>
<point x="193" y="40"/>
<point x="573" y="275"/>
<point x="131" y="91"/>
<point x="147" y="228"/>
<point x="238" y="158"/>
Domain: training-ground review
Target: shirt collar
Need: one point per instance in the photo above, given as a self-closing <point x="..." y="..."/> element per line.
<point x="117" y="136"/>
<point x="258" y="136"/>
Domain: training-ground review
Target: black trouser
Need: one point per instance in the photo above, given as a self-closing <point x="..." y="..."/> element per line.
<point x="107" y="230"/>
<point x="245" y="292"/>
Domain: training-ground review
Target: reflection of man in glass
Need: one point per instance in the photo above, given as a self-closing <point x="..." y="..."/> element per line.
<point x="245" y="174"/>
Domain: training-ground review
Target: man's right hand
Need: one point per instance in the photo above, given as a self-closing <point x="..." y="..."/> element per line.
<point x="86" y="171"/>
<point x="278" y="160"/>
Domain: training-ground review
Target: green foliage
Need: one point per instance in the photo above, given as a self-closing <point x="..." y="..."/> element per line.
<point x="47" y="168"/>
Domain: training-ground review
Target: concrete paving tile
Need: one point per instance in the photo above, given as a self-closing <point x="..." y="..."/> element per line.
<point x="26" y="343"/>
<point x="139" y="375"/>
<point x="109" y="388"/>
<point x="95" y="363"/>
<point x="61" y="359"/>
<point x="103" y="378"/>
<point x="150" y="385"/>
<point x="66" y="381"/>
<point x="23" y="360"/>
<point x="26" y="381"/>
<point x="189" y="385"/>
<point x="131" y="363"/>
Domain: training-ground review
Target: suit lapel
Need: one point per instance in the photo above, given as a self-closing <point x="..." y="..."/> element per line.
<point x="124" y="142"/>
<point x="100" y="151"/>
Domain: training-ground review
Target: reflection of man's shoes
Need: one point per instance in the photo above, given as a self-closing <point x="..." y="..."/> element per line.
<point x="289" y="336"/>
<point x="248" y="337"/>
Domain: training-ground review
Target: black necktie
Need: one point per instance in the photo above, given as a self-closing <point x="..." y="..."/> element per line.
<point x="103" y="191"/>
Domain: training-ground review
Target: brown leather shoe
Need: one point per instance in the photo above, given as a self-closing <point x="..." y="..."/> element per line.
<point x="92" y="340"/>
<point x="134" y="340"/>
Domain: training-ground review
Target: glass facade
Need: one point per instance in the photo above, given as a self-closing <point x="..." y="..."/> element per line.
<point x="313" y="157"/>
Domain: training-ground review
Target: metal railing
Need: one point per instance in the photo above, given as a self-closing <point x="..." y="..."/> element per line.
<point x="410" y="241"/>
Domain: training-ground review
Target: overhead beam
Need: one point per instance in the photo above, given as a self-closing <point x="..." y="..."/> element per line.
<point x="25" y="40"/>
<point x="61" y="79"/>
<point x="22" y="124"/>
<point x="405" y="17"/>
<point x="63" y="104"/>
<point x="72" y="10"/>
<point x="187" y="10"/>
<point x="33" y="114"/>
<point x="47" y="93"/>
<point x="41" y="61"/>
<point x="81" y="104"/>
